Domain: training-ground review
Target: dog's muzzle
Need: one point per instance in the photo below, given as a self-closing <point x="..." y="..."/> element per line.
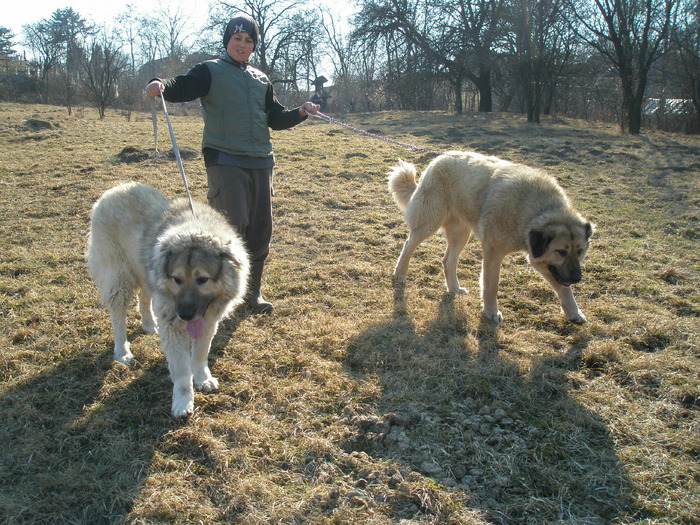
<point x="568" y="280"/>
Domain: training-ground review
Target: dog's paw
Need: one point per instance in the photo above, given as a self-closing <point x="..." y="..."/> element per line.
<point x="123" y="355"/>
<point x="398" y="280"/>
<point x="149" y="328"/>
<point x="183" y="407"/>
<point x="459" y="291"/>
<point x="183" y="399"/>
<point x="209" y="385"/>
<point x="577" y="318"/>
<point x="495" y="317"/>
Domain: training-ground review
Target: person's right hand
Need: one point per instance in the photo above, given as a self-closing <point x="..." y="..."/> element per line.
<point x="154" y="89"/>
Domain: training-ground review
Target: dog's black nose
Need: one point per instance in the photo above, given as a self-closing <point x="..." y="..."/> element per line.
<point x="186" y="313"/>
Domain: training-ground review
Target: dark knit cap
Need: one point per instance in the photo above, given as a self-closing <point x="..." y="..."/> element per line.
<point x="242" y="24"/>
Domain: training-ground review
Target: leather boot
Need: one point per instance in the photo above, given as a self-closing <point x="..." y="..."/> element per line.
<point x="253" y="299"/>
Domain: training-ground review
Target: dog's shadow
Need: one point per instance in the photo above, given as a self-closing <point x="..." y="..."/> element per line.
<point x="449" y="371"/>
<point x="79" y="437"/>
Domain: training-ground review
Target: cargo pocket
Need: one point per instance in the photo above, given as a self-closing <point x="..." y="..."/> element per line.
<point x="213" y="193"/>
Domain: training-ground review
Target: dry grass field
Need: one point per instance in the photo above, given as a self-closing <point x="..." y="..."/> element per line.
<point x="358" y="403"/>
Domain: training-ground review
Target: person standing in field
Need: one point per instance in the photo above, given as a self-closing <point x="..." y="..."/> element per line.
<point x="239" y="109"/>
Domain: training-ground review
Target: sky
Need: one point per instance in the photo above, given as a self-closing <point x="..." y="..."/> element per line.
<point x="15" y="15"/>
<point x="104" y="12"/>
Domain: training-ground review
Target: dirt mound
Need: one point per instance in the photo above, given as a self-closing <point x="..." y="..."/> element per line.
<point x="131" y="154"/>
<point x="36" y="124"/>
<point x="186" y="153"/>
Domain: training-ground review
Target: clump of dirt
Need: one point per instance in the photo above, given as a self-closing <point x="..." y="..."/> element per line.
<point x="131" y="154"/>
<point x="186" y="153"/>
<point x="36" y="124"/>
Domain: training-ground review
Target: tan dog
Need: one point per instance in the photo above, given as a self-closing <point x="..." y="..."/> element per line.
<point x="193" y="267"/>
<point x="509" y="207"/>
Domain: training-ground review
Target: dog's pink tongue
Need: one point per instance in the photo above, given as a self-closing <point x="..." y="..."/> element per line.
<point x="195" y="329"/>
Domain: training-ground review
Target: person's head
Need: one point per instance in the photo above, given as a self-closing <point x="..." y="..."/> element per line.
<point x="241" y="37"/>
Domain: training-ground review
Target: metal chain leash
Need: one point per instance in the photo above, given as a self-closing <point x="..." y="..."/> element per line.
<point x="176" y="150"/>
<point x="331" y="120"/>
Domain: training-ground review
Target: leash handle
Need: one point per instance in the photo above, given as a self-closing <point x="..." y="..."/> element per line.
<point x="177" y="152"/>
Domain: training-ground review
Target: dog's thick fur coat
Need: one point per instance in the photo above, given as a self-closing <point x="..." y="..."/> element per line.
<point x="190" y="270"/>
<point x="509" y="207"/>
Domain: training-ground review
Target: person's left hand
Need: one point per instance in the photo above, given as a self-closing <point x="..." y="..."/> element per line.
<point x="309" y="108"/>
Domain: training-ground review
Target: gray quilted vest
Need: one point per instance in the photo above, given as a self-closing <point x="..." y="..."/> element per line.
<point x="235" y="120"/>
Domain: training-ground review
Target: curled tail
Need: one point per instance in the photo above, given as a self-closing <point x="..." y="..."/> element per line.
<point x="402" y="183"/>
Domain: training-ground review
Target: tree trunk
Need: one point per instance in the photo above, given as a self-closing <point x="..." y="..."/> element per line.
<point x="537" y="102"/>
<point x="632" y="101"/>
<point x="459" y="106"/>
<point x="483" y="84"/>
<point x="635" y="118"/>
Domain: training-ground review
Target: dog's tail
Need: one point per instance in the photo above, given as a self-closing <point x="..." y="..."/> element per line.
<point x="402" y="183"/>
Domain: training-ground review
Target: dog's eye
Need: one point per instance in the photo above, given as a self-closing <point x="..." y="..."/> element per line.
<point x="177" y="280"/>
<point x="562" y="252"/>
<point x="202" y="280"/>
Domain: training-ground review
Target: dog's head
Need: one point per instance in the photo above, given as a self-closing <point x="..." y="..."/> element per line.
<point x="196" y="270"/>
<point x="558" y="249"/>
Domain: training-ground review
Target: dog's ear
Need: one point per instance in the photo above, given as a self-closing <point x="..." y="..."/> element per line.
<point x="589" y="229"/>
<point x="166" y="257"/>
<point x="233" y="259"/>
<point x="227" y="253"/>
<point x="539" y="241"/>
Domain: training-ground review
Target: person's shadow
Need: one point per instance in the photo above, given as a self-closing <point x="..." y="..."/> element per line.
<point x="504" y="432"/>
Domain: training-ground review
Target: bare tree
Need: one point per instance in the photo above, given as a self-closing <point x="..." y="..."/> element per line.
<point x="540" y="49"/>
<point x="103" y="65"/>
<point x="686" y="40"/>
<point x="476" y="29"/>
<point x="337" y="43"/>
<point x="456" y="35"/>
<point x="629" y="35"/>
<point x="130" y="85"/>
<point x="46" y="41"/>
<point x="297" y="62"/>
<point x="148" y="44"/>
<point x="56" y="42"/>
<point x="408" y="43"/>
<point x="404" y="73"/>
<point x="128" y="28"/>
<point x="73" y="30"/>
<point x="172" y="30"/>
<point x="340" y="56"/>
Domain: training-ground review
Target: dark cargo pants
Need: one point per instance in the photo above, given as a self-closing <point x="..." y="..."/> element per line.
<point x="244" y="196"/>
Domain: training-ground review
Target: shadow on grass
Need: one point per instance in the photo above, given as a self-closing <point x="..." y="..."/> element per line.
<point x="504" y="435"/>
<point x="78" y="440"/>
